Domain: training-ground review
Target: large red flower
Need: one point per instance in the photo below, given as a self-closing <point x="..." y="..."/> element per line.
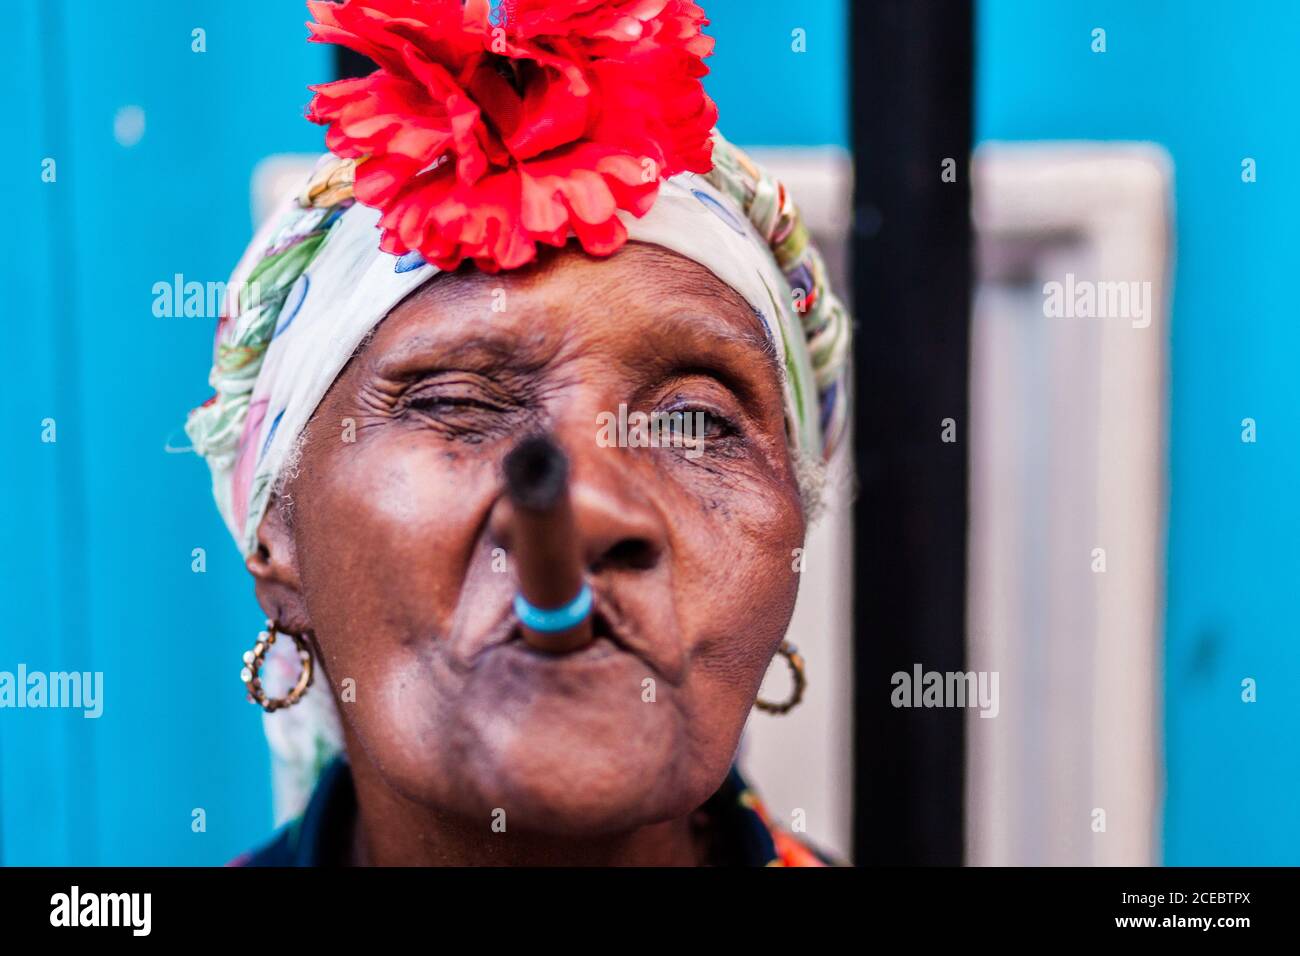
<point x="482" y="139"/>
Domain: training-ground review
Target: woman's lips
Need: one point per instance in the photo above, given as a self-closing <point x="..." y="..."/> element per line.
<point x="605" y="640"/>
<point x="613" y="632"/>
<point x="599" y="648"/>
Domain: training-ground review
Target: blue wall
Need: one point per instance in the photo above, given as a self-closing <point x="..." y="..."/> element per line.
<point x="1212" y="83"/>
<point x="97" y="529"/>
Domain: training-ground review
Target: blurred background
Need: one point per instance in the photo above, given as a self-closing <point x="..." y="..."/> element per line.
<point x="1152" y="152"/>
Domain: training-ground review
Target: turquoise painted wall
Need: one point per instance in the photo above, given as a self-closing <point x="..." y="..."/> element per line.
<point x="1212" y="83"/>
<point x="97" y="529"/>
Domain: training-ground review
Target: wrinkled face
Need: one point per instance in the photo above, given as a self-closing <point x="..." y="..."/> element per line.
<point x="401" y="537"/>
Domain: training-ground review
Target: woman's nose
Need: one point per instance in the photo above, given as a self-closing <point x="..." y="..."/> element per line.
<point x="619" y="528"/>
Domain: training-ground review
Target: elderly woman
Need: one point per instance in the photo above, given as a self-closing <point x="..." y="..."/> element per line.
<point x="535" y="637"/>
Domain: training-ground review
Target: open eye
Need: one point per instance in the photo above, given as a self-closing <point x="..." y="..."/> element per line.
<point x="695" y="421"/>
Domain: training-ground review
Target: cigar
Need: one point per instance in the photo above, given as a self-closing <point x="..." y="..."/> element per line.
<point x="554" y="600"/>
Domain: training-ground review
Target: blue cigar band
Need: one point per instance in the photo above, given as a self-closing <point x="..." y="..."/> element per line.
<point x="554" y="620"/>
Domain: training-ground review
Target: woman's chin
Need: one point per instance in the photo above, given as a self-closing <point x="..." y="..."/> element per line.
<point x="583" y="803"/>
<point x="596" y="767"/>
<point x="545" y="762"/>
<point x="583" y="746"/>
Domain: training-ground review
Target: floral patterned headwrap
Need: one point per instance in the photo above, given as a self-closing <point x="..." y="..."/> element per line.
<point x="484" y="138"/>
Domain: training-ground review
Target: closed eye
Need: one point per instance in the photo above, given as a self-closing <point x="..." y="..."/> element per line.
<point x="461" y="406"/>
<point x="436" y="403"/>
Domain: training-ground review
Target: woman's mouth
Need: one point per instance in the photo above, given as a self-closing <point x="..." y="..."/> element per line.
<point x="605" y="640"/>
<point x="613" y="635"/>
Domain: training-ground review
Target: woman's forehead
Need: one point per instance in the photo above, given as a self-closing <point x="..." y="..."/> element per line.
<point x="643" y="292"/>
<point x="638" y="269"/>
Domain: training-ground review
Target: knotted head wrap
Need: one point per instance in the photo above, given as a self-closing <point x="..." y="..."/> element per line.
<point x="474" y="168"/>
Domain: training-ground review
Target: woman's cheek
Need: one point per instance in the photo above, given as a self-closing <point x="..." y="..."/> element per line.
<point x="760" y="522"/>
<point x="738" y="580"/>
<point x="416" y="505"/>
<point x="386" y="537"/>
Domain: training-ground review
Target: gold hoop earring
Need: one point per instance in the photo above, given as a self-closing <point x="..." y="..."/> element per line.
<point x="251" y="675"/>
<point x="795" y="660"/>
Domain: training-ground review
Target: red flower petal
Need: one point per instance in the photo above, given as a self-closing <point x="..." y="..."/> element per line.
<point x="482" y="141"/>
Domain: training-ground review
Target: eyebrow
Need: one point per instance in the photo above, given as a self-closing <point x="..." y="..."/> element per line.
<point x="695" y="328"/>
<point x="716" y="329"/>
<point x="411" y="356"/>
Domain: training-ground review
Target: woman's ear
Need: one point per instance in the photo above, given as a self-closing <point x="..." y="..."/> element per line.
<point x="274" y="567"/>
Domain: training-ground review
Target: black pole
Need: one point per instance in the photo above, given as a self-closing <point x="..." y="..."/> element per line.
<point x="912" y="70"/>
<point x="349" y="64"/>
